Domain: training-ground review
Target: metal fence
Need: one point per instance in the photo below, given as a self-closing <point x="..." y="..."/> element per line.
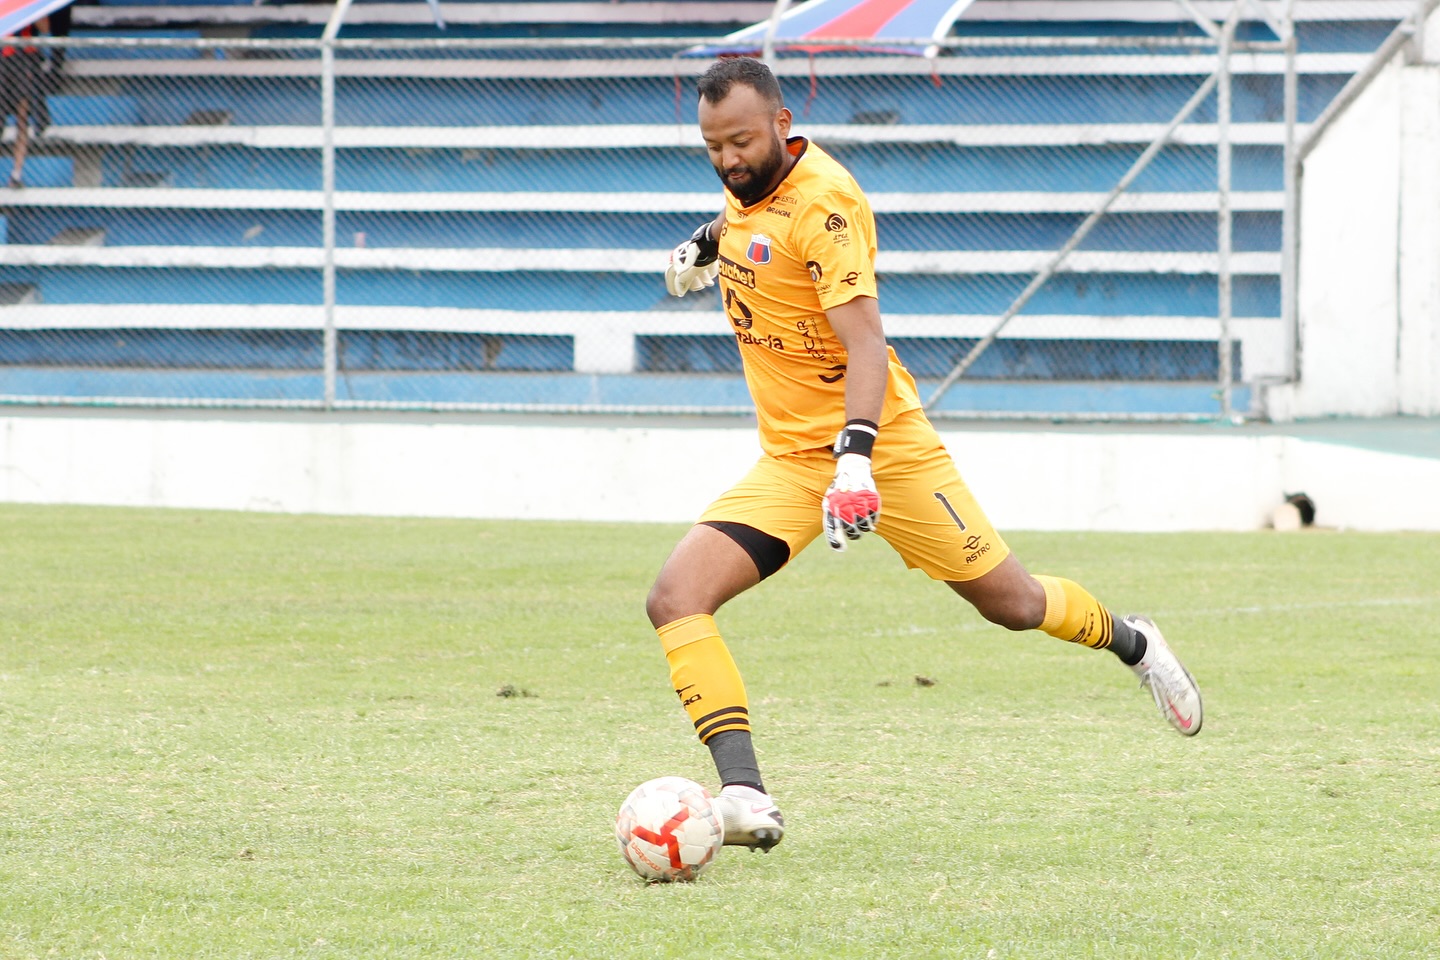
<point x="1069" y="226"/>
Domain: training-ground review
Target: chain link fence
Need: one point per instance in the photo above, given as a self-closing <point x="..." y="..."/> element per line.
<point x="1069" y="225"/>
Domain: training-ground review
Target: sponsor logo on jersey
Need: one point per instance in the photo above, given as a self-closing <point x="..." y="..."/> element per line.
<point x="745" y="338"/>
<point x="850" y="278"/>
<point x="738" y="313"/>
<point x="733" y="271"/>
<point x="758" y="252"/>
<point x="813" y="341"/>
<point x="816" y="271"/>
<point x="835" y="223"/>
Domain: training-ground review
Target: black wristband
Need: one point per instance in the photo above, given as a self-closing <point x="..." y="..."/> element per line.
<point x="857" y="437"/>
<point x="708" y="246"/>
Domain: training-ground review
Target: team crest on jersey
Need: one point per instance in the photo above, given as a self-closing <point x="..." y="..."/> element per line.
<point x="759" y="250"/>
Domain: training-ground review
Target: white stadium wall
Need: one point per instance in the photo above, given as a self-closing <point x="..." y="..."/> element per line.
<point x="1419" y="267"/>
<point x="1041" y="478"/>
<point x="1369" y="269"/>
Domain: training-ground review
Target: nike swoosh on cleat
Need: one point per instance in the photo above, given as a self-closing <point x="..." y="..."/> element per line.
<point x="1184" y="724"/>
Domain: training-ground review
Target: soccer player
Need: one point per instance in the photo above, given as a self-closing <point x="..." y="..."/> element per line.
<point x="794" y="251"/>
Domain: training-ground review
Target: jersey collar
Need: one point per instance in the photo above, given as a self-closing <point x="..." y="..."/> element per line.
<point x="796" y="147"/>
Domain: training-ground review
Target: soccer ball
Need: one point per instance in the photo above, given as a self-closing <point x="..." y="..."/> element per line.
<point x="668" y="829"/>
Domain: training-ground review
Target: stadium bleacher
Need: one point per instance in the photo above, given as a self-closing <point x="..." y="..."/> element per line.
<point x="509" y="214"/>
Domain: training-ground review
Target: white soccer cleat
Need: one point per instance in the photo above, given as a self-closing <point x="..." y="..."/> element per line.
<point x="1174" y="690"/>
<point x="750" y="818"/>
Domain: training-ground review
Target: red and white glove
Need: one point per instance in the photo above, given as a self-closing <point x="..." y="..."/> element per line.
<point x="852" y="504"/>
<point x="694" y="264"/>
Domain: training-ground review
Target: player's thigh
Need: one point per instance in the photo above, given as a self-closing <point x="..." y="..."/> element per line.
<point x="927" y="511"/>
<point x="705" y="570"/>
<point x="780" y="498"/>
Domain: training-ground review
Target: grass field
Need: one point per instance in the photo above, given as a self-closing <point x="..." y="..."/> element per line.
<point x="273" y="736"/>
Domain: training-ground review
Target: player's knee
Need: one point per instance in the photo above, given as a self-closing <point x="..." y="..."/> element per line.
<point x="1012" y="616"/>
<point x="666" y="603"/>
<point x="1013" y="610"/>
<point x="658" y="605"/>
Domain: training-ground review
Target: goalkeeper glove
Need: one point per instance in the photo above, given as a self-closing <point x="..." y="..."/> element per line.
<point x="694" y="264"/>
<point x="852" y="504"/>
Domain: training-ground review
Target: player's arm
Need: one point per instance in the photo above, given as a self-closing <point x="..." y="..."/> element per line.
<point x="695" y="263"/>
<point x="867" y="366"/>
<point x="852" y="504"/>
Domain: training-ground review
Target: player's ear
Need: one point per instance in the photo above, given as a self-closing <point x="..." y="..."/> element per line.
<point x="782" y="122"/>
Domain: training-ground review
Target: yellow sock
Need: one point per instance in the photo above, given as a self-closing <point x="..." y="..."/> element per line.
<point x="1072" y="614"/>
<point x="704" y="675"/>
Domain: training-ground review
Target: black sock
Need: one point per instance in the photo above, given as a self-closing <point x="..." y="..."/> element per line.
<point x="734" y="756"/>
<point x="1126" y="643"/>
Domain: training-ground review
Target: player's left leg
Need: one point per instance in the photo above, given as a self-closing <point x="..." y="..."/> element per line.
<point x="931" y="518"/>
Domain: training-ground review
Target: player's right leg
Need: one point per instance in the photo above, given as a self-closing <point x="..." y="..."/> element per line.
<point x="707" y="568"/>
<point x="744" y="537"/>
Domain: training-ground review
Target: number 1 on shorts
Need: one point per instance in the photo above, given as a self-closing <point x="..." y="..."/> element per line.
<point x="950" y="510"/>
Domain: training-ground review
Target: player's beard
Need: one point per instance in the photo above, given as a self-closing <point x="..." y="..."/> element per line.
<point x="763" y="176"/>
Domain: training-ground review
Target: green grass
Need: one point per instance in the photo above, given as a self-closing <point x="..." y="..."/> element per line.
<point x="270" y="736"/>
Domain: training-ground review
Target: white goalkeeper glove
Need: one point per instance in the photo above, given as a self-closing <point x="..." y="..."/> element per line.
<point x="852" y="504"/>
<point x="694" y="264"/>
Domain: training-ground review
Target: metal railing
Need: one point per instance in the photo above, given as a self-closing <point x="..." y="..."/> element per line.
<point x="1067" y="229"/>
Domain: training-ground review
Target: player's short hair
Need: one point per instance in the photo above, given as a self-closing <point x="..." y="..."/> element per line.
<point x="715" y="83"/>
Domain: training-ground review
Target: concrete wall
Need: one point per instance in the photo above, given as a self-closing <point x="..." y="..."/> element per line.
<point x="1369" y="267"/>
<point x="1043" y="478"/>
<point x="1419" y="229"/>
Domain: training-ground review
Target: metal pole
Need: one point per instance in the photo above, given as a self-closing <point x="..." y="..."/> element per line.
<point x="1075" y="240"/>
<point x="1399" y="38"/>
<point x="1290" y="224"/>
<point x="1201" y="21"/>
<point x="1224" y="221"/>
<point x="767" y="49"/>
<point x="327" y="178"/>
<point x="327" y="216"/>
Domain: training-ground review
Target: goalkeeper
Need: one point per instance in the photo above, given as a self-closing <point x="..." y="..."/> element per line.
<point x="847" y="449"/>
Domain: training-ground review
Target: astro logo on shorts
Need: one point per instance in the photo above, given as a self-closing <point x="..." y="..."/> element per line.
<point x="759" y="250"/>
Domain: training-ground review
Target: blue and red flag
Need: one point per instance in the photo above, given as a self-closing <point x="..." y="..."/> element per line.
<point x="880" y="24"/>
<point x="16" y="15"/>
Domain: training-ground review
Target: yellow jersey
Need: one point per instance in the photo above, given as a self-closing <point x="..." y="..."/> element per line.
<point x="783" y="263"/>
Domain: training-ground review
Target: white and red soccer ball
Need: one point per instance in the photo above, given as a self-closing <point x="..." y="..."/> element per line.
<point x="668" y="829"/>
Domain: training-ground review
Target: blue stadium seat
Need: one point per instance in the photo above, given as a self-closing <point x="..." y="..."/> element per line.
<point x="96" y="110"/>
<point x="47" y="171"/>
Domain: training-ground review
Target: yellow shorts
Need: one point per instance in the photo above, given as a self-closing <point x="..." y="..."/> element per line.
<point x="927" y="513"/>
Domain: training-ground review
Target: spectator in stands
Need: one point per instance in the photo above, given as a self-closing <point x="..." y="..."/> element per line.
<point x="794" y="250"/>
<point x="21" y="69"/>
<point x="60" y="23"/>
